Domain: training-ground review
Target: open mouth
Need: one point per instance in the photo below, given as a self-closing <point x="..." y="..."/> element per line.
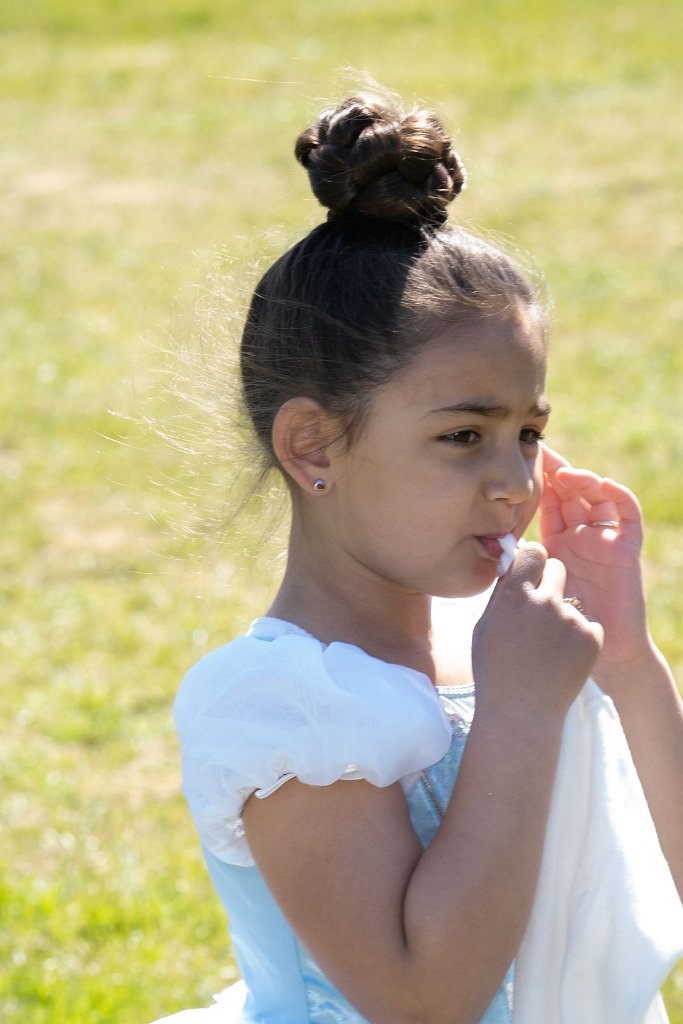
<point x="500" y="548"/>
<point x="491" y="546"/>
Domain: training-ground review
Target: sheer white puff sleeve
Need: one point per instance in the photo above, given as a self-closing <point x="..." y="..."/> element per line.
<point x="258" y="712"/>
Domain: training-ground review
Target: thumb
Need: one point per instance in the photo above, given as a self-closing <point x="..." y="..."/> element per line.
<point x="527" y="568"/>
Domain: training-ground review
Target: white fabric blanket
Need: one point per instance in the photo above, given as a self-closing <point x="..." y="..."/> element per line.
<point x="607" y="923"/>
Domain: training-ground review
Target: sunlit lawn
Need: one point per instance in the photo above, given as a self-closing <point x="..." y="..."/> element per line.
<point x="143" y="146"/>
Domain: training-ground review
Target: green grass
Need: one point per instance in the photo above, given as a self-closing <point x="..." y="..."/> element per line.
<point x="142" y="145"/>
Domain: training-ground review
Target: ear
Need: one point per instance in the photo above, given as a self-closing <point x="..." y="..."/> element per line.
<point x="302" y="432"/>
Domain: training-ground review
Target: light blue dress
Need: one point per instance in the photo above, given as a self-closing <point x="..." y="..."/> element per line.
<point x="253" y="715"/>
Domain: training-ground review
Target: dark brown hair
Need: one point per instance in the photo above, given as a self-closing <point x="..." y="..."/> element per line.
<point x="344" y="310"/>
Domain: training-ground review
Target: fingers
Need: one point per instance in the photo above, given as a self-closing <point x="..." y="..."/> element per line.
<point x="530" y="601"/>
<point x="533" y="569"/>
<point x="551" y="505"/>
<point x="578" y="487"/>
<point x="552" y="460"/>
<point x="554" y="578"/>
<point x="575" y="498"/>
<point x="589" y="500"/>
<point x="528" y="566"/>
<point x="547" y="577"/>
<point x="628" y="511"/>
<point x="550" y="509"/>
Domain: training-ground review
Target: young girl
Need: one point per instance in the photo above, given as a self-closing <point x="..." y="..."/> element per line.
<point x="375" y="838"/>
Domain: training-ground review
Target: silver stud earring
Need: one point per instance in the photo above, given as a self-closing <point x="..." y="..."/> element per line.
<point x="318" y="485"/>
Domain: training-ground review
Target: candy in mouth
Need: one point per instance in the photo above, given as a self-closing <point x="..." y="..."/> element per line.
<point x="509" y="545"/>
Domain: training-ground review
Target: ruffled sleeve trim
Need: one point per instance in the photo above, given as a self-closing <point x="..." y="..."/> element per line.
<point x="268" y="708"/>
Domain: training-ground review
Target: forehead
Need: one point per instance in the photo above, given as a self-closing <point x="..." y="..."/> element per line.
<point x="501" y="356"/>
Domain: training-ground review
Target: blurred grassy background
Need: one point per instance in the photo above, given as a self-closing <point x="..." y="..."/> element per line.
<point x="143" y="144"/>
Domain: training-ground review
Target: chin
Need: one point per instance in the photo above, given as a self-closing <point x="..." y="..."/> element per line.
<point x="468" y="588"/>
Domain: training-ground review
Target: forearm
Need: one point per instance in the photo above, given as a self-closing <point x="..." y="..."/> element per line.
<point x="474" y="885"/>
<point x="651" y="712"/>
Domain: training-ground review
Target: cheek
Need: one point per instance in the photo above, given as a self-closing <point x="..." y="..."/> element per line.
<point x="535" y="498"/>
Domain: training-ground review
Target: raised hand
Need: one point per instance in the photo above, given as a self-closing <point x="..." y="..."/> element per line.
<point x="594" y="526"/>
<point x="532" y="652"/>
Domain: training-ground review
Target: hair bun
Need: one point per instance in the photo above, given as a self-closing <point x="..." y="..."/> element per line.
<point x="369" y="158"/>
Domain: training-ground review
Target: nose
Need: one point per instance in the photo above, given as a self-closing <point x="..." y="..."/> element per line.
<point x="510" y="478"/>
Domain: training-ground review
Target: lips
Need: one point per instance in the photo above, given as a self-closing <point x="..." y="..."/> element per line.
<point x="491" y="545"/>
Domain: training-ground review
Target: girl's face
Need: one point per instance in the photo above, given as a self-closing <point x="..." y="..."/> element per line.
<point x="447" y="460"/>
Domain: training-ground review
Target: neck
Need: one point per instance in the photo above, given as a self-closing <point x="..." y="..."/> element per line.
<point x="338" y="600"/>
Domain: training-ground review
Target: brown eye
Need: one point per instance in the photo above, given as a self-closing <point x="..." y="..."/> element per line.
<point x="531" y="436"/>
<point x="463" y="438"/>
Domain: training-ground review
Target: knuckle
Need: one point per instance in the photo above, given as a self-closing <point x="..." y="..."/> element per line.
<point x="589" y="641"/>
<point x="533" y="548"/>
<point x="533" y="558"/>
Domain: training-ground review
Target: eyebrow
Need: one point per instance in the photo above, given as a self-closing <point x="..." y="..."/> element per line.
<point x="491" y="411"/>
